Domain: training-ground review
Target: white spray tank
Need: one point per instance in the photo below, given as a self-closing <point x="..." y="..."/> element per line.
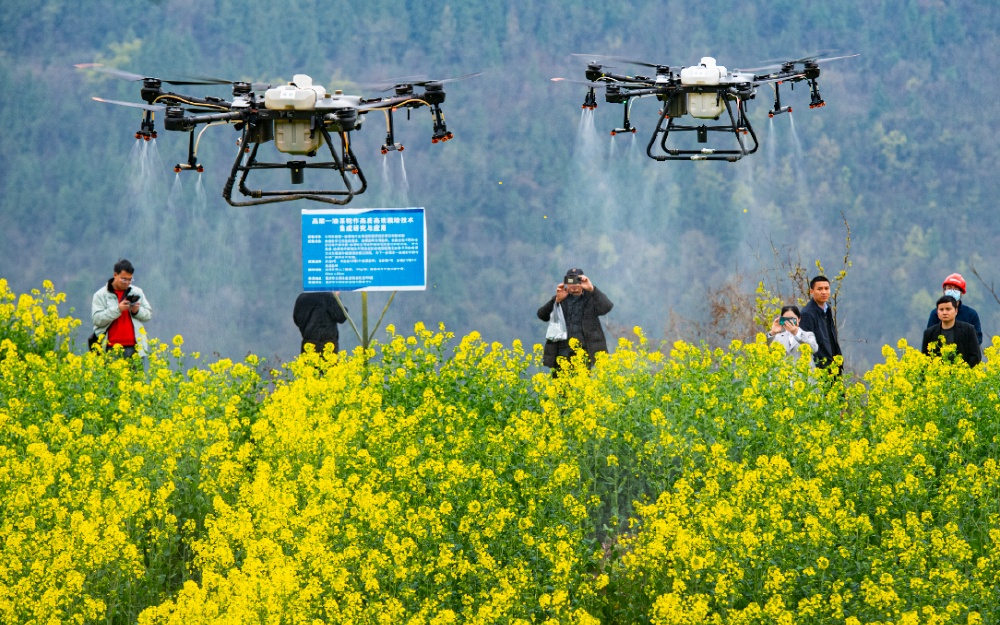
<point x="707" y="105"/>
<point x="295" y="136"/>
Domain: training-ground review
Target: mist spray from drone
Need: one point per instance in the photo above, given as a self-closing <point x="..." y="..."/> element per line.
<point x="395" y="187"/>
<point x="146" y="190"/>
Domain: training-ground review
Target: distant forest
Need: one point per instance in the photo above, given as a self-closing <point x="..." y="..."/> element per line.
<point x="903" y="153"/>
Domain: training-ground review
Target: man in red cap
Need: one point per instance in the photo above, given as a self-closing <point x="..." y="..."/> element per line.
<point x="954" y="285"/>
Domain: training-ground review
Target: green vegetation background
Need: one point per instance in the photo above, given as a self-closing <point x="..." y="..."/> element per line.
<point x="904" y="151"/>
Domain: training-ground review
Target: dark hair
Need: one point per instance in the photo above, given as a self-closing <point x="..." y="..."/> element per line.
<point x="124" y="265"/>
<point x="794" y="309"/>
<point x="812" y="283"/>
<point x="947" y="299"/>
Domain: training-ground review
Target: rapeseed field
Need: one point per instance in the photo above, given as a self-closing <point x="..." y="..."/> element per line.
<point x="435" y="479"/>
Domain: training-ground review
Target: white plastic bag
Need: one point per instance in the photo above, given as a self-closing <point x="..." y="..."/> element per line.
<point x="557" y="325"/>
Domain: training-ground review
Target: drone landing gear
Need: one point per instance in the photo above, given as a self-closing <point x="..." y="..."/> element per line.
<point x="345" y="165"/>
<point x="739" y="125"/>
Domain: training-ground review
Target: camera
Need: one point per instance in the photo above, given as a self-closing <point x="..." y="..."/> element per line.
<point x="787" y="320"/>
<point x="568" y="280"/>
<point x="132" y="298"/>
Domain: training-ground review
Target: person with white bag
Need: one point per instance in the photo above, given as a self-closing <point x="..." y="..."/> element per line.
<point x="574" y="313"/>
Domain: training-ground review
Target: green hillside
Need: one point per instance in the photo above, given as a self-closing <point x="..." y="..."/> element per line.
<point x="903" y="151"/>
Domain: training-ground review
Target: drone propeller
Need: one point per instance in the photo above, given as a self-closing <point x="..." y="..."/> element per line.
<point x="599" y="85"/>
<point x="815" y="59"/>
<point x="254" y="86"/>
<point x="145" y="107"/>
<point x="425" y="83"/>
<point x="390" y="83"/>
<point x="117" y="73"/>
<point x="623" y="60"/>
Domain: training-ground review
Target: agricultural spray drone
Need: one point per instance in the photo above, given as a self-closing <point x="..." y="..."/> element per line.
<point x="299" y="117"/>
<point x="705" y="92"/>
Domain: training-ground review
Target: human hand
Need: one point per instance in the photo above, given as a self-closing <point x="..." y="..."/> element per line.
<point x="561" y="292"/>
<point x="792" y="325"/>
<point x="586" y="283"/>
<point x="124" y="305"/>
<point x="776" y="326"/>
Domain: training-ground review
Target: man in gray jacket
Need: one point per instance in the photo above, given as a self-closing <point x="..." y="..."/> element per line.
<point x="119" y="310"/>
<point x="582" y="304"/>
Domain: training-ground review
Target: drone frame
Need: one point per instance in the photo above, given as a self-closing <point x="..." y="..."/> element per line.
<point x="739" y="125"/>
<point x="732" y="89"/>
<point x="340" y="115"/>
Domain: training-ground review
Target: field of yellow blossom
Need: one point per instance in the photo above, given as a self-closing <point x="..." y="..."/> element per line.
<point x="442" y="480"/>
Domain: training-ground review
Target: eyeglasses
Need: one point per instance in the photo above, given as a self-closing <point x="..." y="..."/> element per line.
<point x="124" y="279"/>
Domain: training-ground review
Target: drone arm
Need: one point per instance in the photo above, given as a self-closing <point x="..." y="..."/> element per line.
<point x="183" y="99"/>
<point x="388" y="104"/>
<point x="177" y="121"/>
<point x="639" y="93"/>
<point x="621" y="78"/>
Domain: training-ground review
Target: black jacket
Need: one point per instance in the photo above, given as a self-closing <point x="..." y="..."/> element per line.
<point x="595" y="304"/>
<point x="317" y="316"/>
<point x="966" y="313"/>
<point x="965" y="342"/>
<point x="821" y="324"/>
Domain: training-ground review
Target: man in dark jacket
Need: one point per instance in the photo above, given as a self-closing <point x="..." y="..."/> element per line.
<point x="317" y="316"/>
<point x="817" y="317"/>
<point x="582" y="304"/>
<point x="958" y="333"/>
<point x="954" y="285"/>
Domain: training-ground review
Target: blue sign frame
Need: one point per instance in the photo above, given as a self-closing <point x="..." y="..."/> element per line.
<point x="365" y="249"/>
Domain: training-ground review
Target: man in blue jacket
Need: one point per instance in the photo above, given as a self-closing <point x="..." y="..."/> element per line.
<point x="817" y="317"/>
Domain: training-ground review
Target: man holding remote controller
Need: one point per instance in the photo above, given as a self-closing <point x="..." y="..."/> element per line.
<point x="119" y="310"/>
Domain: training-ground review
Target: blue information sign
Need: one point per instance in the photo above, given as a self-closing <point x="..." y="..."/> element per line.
<point x="366" y="249"/>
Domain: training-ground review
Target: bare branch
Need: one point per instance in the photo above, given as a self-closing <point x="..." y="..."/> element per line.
<point x="989" y="287"/>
